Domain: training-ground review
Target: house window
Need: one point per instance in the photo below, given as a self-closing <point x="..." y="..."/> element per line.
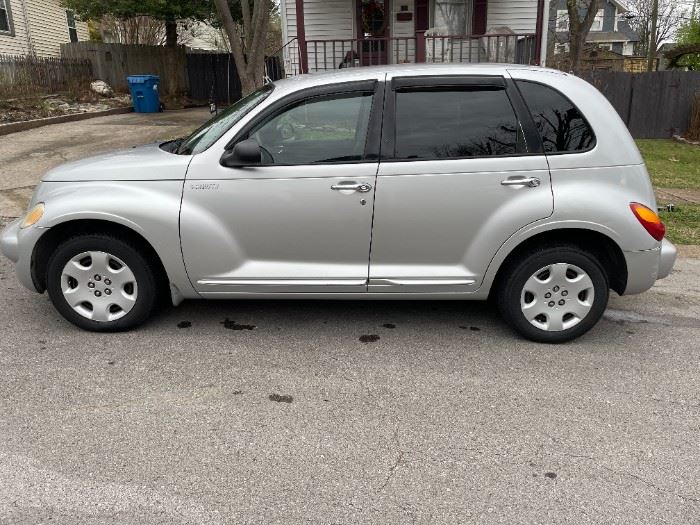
<point x="562" y="20"/>
<point x="451" y="17"/>
<point x="72" y="29"/>
<point x="598" y="22"/>
<point x="5" y="17"/>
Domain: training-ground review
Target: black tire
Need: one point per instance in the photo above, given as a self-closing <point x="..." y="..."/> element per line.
<point x="146" y="299"/>
<point x="517" y="273"/>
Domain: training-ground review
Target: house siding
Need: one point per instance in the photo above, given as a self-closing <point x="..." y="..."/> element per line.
<point x="48" y="28"/>
<point x="323" y="20"/>
<point x="518" y="15"/>
<point x="16" y="43"/>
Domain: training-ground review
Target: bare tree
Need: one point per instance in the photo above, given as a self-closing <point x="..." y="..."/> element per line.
<point x="135" y="30"/>
<point x="582" y="14"/>
<point x="654" y="30"/>
<point x="247" y="39"/>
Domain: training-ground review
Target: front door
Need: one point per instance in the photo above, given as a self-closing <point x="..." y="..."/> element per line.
<point x="373" y="17"/>
<point x="301" y="221"/>
<point x="458" y="177"/>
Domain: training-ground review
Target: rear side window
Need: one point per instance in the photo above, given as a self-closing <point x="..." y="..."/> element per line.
<point x="561" y="125"/>
<point x="455" y="122"/>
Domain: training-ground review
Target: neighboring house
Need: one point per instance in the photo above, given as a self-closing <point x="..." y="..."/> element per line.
<point x="328" y="34"/>
<point x="610" y="29"/>
<point x="37" y="27"/>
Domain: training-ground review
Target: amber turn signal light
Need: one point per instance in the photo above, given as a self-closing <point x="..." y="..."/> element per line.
<point x="33" y="216"/>
<point x="649" y="219"/>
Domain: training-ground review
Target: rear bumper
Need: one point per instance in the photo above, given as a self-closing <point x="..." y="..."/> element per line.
<point x="667" y="258"/>
<point x="645" y="267"/>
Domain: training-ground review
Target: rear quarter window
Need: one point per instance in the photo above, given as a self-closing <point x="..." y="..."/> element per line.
<point x="561" y="125"/>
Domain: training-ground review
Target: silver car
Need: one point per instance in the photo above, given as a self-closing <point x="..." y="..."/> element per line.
<point x="456" y="182"/>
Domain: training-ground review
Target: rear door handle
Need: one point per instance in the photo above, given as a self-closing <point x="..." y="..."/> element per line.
<point x="531" y="182"/>
<point x="362" y="187"/>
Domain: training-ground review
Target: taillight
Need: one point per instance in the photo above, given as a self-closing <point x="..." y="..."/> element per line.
<point x="649" y="219"/>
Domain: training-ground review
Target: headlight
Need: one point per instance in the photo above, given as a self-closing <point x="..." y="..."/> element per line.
<point x="33" y="216"/>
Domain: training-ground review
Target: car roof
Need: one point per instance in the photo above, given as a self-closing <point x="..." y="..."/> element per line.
<point x="399" y="70"/>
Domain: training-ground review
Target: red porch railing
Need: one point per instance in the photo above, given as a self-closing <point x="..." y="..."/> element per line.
<point x="510" y="48"/>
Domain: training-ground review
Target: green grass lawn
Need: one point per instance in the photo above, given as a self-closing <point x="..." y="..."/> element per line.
<point x="675" y="165"/>
<point x="672" y="164"/>
<point x="683" y="224"/>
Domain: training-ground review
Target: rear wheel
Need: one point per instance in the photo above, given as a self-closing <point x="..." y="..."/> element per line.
<point x="554" y="295"/>
<point x="101" y="283"/>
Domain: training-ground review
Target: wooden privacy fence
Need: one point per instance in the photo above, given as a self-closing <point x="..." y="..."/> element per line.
<point x="653" y="105"/>
<point x="30" y="75"/>
<point x="214" y="77"/>
<point x="114" y="62"/>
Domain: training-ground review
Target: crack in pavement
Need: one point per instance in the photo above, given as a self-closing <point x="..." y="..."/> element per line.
<point x="397" y="462"/>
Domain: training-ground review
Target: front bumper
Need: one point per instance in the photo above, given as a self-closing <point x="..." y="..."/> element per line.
<point x="18" y="245"/>
<point x="645" y="267"/>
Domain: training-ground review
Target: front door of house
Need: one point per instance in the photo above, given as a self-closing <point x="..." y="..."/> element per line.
<point x="373" y="18"/>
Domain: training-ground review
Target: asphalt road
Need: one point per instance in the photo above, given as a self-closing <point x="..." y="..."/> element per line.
<point x="444" y="417"/>
<point x="337" y="412"/>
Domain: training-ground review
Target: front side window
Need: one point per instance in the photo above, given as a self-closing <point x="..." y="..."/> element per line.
<point x="321" y="129"/>
<point x="561" y="125"/>
<point x="214" y="129"/>
<point x="5" y="21"/>
<point x="72" y="28"/>
<point x="455" y="122"/>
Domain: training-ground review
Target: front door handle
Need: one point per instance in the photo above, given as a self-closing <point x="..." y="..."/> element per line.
<point x="362" y="187"/>
<point x="531" y="182"/>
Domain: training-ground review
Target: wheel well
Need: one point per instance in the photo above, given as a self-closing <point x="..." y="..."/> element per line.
<point x="601" y="246"/>
<point x="57" y="234"/>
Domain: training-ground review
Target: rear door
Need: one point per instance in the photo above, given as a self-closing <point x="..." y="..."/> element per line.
<point x="462" y="169"/>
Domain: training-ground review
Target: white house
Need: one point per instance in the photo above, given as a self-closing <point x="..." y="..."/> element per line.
<point x="37" y="27"/>
<point x="328" y="34"/>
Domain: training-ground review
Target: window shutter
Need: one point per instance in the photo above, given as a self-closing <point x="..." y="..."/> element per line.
<point x="479" y="17"/>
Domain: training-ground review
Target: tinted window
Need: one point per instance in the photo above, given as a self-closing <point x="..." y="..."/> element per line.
<point x="561" y="125"/>
<point x="455" y="122"/>
<point x="321" y="129"/>
<point x="212" y="130"/>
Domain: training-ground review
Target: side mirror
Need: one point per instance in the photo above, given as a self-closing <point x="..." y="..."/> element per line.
<point x="245" y="153"/>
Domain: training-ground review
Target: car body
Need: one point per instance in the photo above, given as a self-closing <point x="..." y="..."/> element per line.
<point x="405" y="182"/>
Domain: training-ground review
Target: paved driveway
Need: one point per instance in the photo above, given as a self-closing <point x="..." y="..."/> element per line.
<point x="27" y="155"/>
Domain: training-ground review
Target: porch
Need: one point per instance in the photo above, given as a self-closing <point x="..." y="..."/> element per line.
<point x="322" y="35"/>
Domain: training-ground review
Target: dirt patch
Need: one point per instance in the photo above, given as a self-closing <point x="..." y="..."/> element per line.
<point x="677" y="196"/>
<point x="689" y="251"/>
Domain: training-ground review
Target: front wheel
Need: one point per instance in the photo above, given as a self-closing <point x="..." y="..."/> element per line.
<point x="554" y="295"/>
<point x="101" y="283"/>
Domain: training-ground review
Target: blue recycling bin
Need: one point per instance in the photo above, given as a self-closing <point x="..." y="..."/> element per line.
<point x="144" y="93"/>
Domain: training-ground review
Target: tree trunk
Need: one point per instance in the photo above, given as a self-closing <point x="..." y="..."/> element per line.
<point x="171" y="33"/>
<point x="579" y="29"/>
<point x="651" y="56"/>
<point x="247" y="43"/>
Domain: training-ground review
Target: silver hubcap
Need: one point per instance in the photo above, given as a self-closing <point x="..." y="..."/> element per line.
<point x="557" y="297"/>
<point x="99" y="286"/>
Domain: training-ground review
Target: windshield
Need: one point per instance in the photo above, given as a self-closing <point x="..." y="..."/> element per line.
<point x="213" y="129"/>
